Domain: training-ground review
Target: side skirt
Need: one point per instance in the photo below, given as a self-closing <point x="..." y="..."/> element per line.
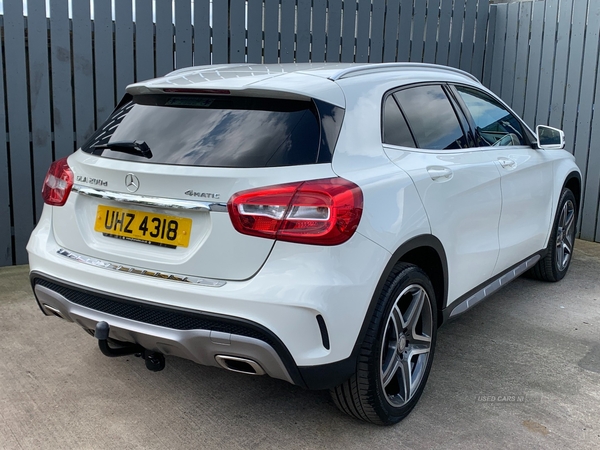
<point x="483" y="291"/>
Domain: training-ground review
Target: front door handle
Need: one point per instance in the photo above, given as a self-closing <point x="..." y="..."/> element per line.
<point x="507" y="163"/>
<point x="439" y="173"/>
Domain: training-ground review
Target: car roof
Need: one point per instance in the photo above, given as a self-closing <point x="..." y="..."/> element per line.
<point x="302" y="81"/>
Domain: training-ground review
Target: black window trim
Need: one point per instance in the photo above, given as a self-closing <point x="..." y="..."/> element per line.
<point x="452" y="88"/>
<point x="461" y="112"/>
<point x="460" y="115"/>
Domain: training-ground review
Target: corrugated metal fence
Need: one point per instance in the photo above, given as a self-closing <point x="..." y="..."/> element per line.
<point x="64" y="76"/>
<point x="542" y="58"/>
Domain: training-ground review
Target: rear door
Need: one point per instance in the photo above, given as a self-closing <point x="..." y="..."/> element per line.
<point x="152" y="184"/>
<point x="426" y="135"/>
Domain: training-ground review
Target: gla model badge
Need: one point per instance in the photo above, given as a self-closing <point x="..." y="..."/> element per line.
<point x="132" y="183"/>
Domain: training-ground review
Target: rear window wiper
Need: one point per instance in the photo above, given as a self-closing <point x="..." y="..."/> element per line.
<point x="136" y="148"/>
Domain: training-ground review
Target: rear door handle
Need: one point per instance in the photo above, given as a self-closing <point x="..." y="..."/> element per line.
<point x="507" y="163"/>
<point x="439" y="173"/>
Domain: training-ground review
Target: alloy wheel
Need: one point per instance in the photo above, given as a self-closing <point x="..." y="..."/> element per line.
<point x="406" y="345"/>
<point x="565" y="236"/>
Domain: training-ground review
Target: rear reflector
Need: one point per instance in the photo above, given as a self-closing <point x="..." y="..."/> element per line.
<point x="58" y="183"/>
<point x="320" y="212"/>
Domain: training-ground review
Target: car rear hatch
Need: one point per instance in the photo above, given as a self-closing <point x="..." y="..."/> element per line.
<point x="152" y="184"/>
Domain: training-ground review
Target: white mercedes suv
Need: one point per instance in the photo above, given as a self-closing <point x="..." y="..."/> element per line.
<point x="315" y="223"/>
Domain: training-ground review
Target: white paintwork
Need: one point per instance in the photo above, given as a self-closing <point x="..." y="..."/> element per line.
<point x="463" y="212"/>
<point x="487" y="214"/>
<point x="214" y="249"/>
<point x="463" y="208"/>
<point x="527" y="207"/>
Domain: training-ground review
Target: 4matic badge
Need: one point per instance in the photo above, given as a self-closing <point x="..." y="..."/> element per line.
<point x="208" y="195"/>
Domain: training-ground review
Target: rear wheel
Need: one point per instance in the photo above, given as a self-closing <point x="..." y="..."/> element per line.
<point x="554" y="266"/>
<point x="397" y="352"/>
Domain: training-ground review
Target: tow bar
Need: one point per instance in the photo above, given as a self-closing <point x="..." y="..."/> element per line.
<point x="155" y="361"/>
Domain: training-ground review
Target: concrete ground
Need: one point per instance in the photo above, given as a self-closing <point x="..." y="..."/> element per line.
<point x="522" y="370"/>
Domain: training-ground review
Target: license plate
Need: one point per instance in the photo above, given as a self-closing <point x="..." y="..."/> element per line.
<point x="149" y="228"/>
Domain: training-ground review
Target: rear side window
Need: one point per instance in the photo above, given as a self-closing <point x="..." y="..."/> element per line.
<point x="395" y="128"/>
<point x="195" y="130"/>
<point x="431" y="118"/>
<point x="494" y="124"/>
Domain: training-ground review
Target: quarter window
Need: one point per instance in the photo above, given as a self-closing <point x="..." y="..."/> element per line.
<point x="431" y="118"/>
<point x="395" y="128"/>
<point x="494" y="125"/>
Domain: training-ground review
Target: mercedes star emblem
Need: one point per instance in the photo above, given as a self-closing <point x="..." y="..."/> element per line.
<point x="132" y="183"/>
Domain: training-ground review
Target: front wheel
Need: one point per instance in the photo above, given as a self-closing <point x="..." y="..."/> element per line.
<point x="555" y="264"/>
<point x="397" y="352"/>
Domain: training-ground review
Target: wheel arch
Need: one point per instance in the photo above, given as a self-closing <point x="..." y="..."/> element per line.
<point x="427" y="252"/>
<point x="573" y="182"/>
<point x="432" y="261"/>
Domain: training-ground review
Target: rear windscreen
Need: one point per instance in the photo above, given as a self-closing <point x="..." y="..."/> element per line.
<point x="218" y="131"/>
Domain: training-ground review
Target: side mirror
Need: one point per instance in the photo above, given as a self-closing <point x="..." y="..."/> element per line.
<point x="549" y="138"/>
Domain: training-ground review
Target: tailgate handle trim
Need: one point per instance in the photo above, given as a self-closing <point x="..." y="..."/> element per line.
<point x="155" y="202"/>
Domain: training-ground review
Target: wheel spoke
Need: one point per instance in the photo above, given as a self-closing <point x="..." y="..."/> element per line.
<point x="397" y="321"/>
<point x="568" y="248"/>
<point x="418" y="349"/>
<point x="566" y="252"/>
<point x="405" y="379"/>
<point x="419" y="340"/>
<point x="569" y="223"/>
<point x="569" y="231"/>
<point x="413" y="313"/>
<point x="390" y="372"/>
<point x="419" y="356"/>
<point x="564" y="215"/>
<point x="560" y="255"/>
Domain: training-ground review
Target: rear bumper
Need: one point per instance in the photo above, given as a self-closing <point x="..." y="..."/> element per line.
<point x="186" y="334"/>
<point x="272" y="318"/>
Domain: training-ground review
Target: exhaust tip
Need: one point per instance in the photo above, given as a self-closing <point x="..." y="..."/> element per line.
<point x="52" y="311"/>
<point x="240" y="365"/>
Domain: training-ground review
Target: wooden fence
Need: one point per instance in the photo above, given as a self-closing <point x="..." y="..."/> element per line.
<point x="542" y="58"/>
<point x="60" y="76"/>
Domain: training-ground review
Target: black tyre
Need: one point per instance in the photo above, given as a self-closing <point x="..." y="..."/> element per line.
<point x="554" y="266"/>
<point x="397" y="352"/>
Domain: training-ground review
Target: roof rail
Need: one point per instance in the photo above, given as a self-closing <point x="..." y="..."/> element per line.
<point x="388" y="67"/>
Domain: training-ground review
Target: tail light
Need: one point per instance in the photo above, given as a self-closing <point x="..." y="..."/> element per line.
<point x="58" y="183"/>
<point x="320" y="212"/>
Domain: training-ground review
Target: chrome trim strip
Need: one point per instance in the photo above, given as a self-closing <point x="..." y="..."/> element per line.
<point x="494" y="286"/>
<point x="198" y="281"/>
<point x="158" y="202"/>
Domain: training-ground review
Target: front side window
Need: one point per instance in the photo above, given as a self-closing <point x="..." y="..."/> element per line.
<point x="494" y="125"/>
<point x="431" y="118"/>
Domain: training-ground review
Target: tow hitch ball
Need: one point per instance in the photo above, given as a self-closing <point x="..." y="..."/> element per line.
<point x="155" y="361"/>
